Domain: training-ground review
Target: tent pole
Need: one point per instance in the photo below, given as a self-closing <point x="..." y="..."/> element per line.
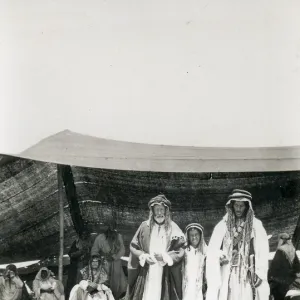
<point x="61" y="222"/>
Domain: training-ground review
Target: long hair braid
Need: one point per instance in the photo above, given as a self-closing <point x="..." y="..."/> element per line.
<point x="243" y="239"/>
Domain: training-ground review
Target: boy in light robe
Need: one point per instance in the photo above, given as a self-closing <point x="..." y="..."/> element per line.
<point x="193" y="266"/>
<point x="154" y="269"/>
<point x="237" y="255"/>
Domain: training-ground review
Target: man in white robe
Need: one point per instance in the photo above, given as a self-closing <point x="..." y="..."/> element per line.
<point x="154" y="272"/>
<point x="237" y="255"/>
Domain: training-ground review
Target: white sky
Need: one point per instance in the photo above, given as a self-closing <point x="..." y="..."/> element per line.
<point x="185" y="72"/>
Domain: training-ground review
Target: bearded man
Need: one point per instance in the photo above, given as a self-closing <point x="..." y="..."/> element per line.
<point x="154" y="269"/>
<point x="237" y="256"/>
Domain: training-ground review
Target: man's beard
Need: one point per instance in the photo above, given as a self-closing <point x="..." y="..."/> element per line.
<point x="159" y="219"/>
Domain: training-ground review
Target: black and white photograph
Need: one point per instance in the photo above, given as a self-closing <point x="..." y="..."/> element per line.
<point x="149" y="150"/>
<point x="140" y="231"/>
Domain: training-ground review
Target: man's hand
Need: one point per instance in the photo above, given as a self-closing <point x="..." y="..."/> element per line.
<point x="91" y="287"/>
<point x="149" y="260"/>
<point x="258" y="281"/>
<point x="158" y="257"/>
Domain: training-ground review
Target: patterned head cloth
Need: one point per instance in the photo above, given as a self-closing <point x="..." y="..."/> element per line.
<point x="284" y="236"/>
<point x="286" y="245"/>
<point x="12" y="268"/>
<point x="240" y="195"/>
<point x="160" y="199"/>
<point x="202" y="245"/>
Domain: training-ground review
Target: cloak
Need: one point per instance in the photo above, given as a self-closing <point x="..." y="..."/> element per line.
<point x="172" y="275"/>
<point x="218" y="276"/>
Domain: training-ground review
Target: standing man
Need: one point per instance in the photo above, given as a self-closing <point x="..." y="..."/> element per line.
<point x="237" y="256"/>
<point x="79" y="257"/>
<point x="154" y="271"/>
<point x="110" y="247"/>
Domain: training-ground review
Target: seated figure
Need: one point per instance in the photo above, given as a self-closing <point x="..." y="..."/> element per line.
<point x="46" y="287"/>
<point x="91" y="286"/>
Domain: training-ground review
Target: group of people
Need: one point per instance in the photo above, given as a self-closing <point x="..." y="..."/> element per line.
<point x="45" y="286"/>
<point x="96" y="272"/>
<point x="166" y="263"/>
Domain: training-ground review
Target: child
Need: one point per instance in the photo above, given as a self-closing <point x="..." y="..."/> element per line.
<point x="193" y="267"/>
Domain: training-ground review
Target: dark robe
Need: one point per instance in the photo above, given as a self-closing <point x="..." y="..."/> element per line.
<point x="79" y="258"/>
<point x="172" y="275"/>
<point x="284" y="273"/>
<point x="111" y="260"/>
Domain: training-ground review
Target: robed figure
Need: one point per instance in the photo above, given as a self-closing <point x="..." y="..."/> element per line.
<point x="193" y="266"/>
<point x="156" y="251"/>
<point x="110" y="247"/>
<point x="79" y="254"/>
<point x="284" y="272"/>
<point x="91" y="285"/>
<point x="11" y="286"/>
<point x="237" y="255"/>
<point x="46" y="287"/>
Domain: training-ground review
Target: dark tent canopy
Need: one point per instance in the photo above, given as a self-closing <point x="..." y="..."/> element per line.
<point x="29" y="209"/>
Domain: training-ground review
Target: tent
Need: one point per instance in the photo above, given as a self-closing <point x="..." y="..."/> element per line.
<point x="101" y="178"/>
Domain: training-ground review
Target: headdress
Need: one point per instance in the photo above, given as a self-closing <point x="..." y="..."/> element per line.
<point x="284" y="236"/>
<point x="160" y="199"/>
<point x="39" y="274"/>
<point x="12" y="268"/>
<point x="287" y="246"/>
<point x="202" y="245"/>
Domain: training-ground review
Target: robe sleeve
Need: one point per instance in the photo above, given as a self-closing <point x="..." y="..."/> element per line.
<point x="74" y="252"/>
<point x="19" y="283"/>
<point x="213" y="269"/>
<point x="121" y="252"/>
<point x="96" y="249"/>
<point x="175" y="256"/>
<point x="2" y="281"/>
<point x="135" y="247"/>
<point x="261" y="251"/>
<point x="176" y="253"/>
<point x="36" y="288"/>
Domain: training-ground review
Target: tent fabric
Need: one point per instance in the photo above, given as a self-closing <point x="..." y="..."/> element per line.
<point x="81" y="150"/>
<point x="29" y="202"/>
<point x="118" y="178"/>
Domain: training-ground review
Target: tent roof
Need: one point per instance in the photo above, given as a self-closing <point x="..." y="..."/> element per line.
<point x="71" y="148"/>
<point x="28" y="188"/>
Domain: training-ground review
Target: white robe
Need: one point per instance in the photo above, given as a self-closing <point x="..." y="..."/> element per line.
<point x="104" y="293"/>
<point x="158" y="244"/>
<point x="218" y="277"/>
<point x="193" y="275"/>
